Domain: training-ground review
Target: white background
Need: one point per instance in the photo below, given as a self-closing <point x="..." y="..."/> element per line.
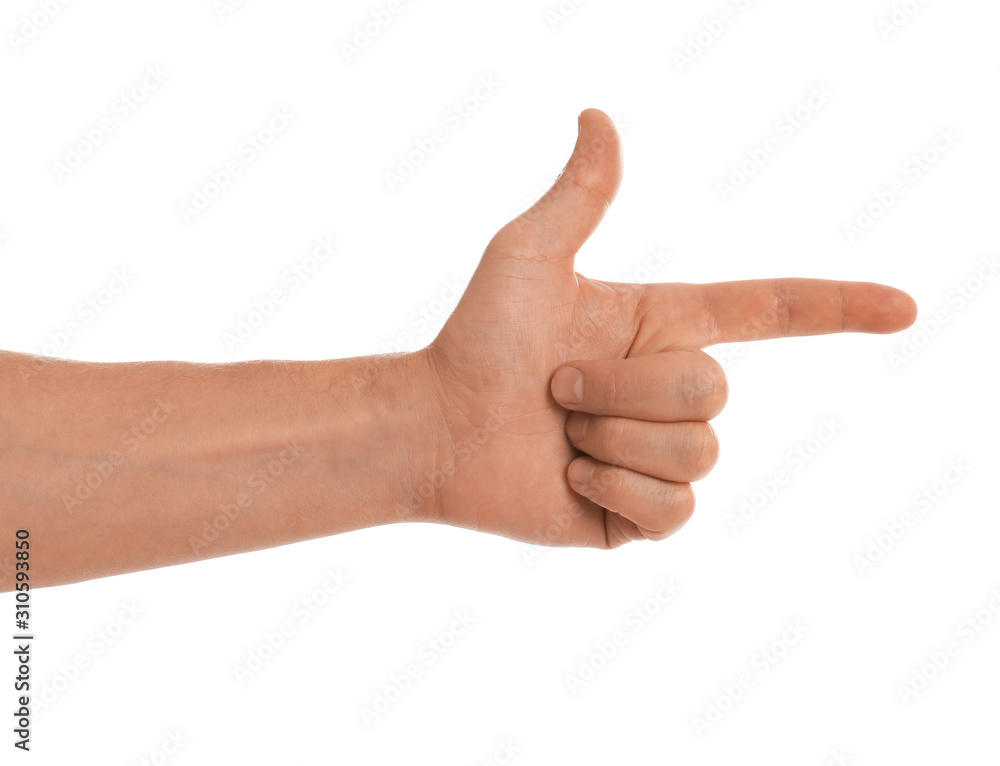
<point x="836" y="692"/>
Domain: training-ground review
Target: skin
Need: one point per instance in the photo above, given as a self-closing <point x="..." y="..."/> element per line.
<point x="552" y="409"/>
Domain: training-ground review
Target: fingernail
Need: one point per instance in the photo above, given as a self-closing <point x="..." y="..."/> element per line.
<point x="576" y="427"/>
<point x="580" y="472"/>
<point x="567" y="385"/>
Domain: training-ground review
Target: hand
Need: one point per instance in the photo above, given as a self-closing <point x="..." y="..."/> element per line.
<point x="551" y="408"/>
<point x="574" y="411"/>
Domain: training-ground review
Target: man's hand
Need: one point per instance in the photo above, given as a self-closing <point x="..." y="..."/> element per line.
<point x="551" y="408"/>
<point x="575" y="412"/>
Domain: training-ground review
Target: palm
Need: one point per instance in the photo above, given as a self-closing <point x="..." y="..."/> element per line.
<point x="497" y="354"/>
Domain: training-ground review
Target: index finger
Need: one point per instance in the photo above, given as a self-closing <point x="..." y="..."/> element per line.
<point x="758" y="309"/>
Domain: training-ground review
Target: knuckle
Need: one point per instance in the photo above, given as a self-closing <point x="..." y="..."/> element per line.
<point x="592" y="492"/>
<point x="614" y="436"/>
<point x="693" y="392"/>
<point x="705" y="387"/>
<point x="587" y="172"/>
<point x="675" y="507"/>
<point x="704" y="451"/>
<point x="617" y="481"/>
<point x="721" y="389"/>
<point x="615" y="390"/>
<point x="779" y="312"/>
<point x="526" y="237"/>
<point x="603" y="484"/>
<point x="585" y="175"/>
<point x="712" y="388"/>
<point x="608" y="486"/>
<point x="683" y="503"/>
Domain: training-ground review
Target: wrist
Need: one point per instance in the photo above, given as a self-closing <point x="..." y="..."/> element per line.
<point x="385" y="437"/>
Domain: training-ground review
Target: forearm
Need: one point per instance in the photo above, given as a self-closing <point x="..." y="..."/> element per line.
<point x="121" y="467"/>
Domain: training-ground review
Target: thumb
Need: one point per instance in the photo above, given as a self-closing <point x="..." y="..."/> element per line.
<point x="555" y="228"/>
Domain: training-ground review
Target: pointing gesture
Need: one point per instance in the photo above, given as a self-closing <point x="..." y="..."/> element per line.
<point x="551" y="408"/>
<point x="580" y="408"/>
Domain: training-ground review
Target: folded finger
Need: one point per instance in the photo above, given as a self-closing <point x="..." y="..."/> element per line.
<point x="661" y="507"/>
<point x="684" y="451"/>
<point x="684" y="384"/>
